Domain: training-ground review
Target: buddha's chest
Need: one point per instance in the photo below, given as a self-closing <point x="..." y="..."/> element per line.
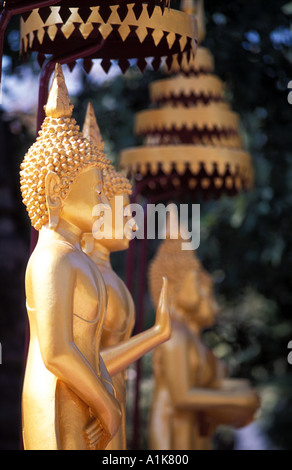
<point x="89" y="309"/>
<point x="200" y="366"/>
<point x="120" y="313"/>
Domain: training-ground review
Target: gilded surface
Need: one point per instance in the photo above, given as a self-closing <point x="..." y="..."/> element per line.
<point x="193" y="127"/>
<point x="192" y="395"/>
<point x="170" y="24"/>
<point x="152" y="158"/>
<point x="68" y="400"/>
<point x="118" y="348"/>
<point x="59" y="154"/>
<point x="205" y="118"/>
<point x="208" y="85"/>
<point x="204" y="62"/>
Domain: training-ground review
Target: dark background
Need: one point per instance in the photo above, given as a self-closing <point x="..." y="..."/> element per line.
<point x="245" y="241"/>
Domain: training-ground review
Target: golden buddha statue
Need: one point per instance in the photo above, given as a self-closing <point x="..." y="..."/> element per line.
<point x="68" y="399"/>
<point x="118" y="348"/>
<point x="192" y="395"/>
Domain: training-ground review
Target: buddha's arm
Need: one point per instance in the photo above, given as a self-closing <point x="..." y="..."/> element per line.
<point x="178" y="374"/>
<point x="120" y="356"/>
<point x="53" y="286"/>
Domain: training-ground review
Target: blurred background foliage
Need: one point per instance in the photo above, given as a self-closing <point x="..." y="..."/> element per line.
<point x="245" y="241"/>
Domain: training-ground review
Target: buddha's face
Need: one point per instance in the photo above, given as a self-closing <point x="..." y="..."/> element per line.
<point x="84" y="194"/>
<point x="188" y="297"/>
<point x="117" y="227"/>
<point x="207" y="309"/>
<point x="196" y="302"/>
<point x="205" y="315"/>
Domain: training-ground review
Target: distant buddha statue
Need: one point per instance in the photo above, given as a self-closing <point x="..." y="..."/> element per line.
<point x="68" y="398"/>
<point x="118" y="348"/>
<point x="192" y="395"/>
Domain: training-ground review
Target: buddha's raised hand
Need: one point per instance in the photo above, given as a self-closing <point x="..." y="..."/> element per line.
<point x="162" y="321"/>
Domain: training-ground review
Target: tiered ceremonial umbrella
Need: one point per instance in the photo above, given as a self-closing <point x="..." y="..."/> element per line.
<point x="114" y="30"/>
<point x="123" y="29"/>
<point x="191" y="145"/>
<point x="120" y="30"/>
<point x="191" y="136"/>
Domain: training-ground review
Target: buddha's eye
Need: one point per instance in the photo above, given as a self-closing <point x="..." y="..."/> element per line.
<point x="98" y="190"/>
<point x="127" y="211"/>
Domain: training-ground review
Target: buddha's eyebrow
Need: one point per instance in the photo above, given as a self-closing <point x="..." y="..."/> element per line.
<point x="98" y="188"/>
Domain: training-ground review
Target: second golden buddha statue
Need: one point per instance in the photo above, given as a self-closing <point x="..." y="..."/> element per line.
<point x="68" y="400"/>
<point x="118" y="348"/>
<point x="192" y="394"/>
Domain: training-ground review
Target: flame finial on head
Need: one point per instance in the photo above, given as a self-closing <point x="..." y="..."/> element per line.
<point x="91" y="129"/>
<point x="58" y="104"/>
<point x="114" y="182"/>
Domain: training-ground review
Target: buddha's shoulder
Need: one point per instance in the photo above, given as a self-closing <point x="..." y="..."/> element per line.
<point x="53" y="256"/>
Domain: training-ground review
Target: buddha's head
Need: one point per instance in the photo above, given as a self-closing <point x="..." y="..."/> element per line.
<point x="62" y="173"/>
<point x="117" y="190"/>
<point x="181" y="268"/>
<point x="190" y="290"/>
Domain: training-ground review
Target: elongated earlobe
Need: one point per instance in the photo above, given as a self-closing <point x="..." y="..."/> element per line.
<point x="88" y="243"/>
<point x="53" y="200"/>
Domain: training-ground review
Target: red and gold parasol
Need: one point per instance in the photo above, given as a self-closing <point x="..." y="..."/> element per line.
<point x="191" y="137"/>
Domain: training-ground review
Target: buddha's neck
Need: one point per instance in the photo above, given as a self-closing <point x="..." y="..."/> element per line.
<point x="182" y="316"/>
<point x="195" y="328"/>
<point x="65" y="231"/>
<point x="101" y="255"/>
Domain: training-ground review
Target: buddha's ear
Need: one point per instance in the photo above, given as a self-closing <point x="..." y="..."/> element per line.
<point x="87" y="243"/>
<point x="53" y="199"/>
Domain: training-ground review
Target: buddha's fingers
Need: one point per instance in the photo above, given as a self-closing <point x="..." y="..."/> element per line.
<point x="95" y="440"/>
<point x="162" y="313"/>
<point x="93" y="434"/>
<point x="92" y="427"/>
<point x="162" y="304"/>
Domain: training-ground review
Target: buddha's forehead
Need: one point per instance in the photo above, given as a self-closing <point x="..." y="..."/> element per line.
<point x="92" y="174"/>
